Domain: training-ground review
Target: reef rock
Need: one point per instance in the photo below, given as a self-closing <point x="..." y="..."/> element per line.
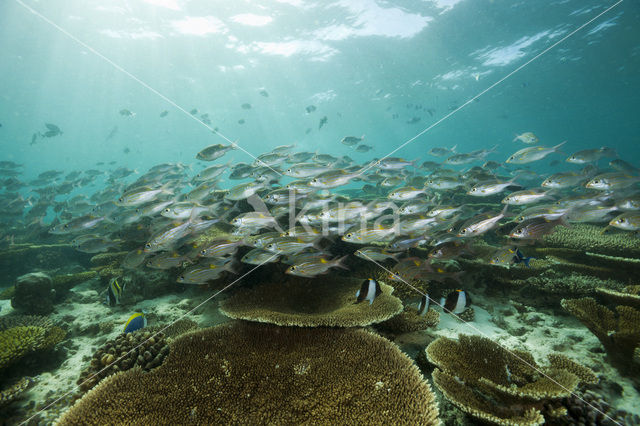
<point x="34" y="294"/>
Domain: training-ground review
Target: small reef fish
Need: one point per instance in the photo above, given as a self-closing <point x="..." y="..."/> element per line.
<point x="164" y="113"/>
<point x="315" y="266"/>
<point x="423" y="305"/>
<point x="114" y="292"/>
<point x="481" y="224"/>
<point x="369" y="290"/>
<point x="508" y="256"/>
<point x="351" y="140"/>
<point x="456" y="302"/>
<point x="127" y="113"/>
<point x="213" y="152"/>
<point x="532" y="153"/>
<point x="135" y="322"/>
<point x="536" y="228"/>
<point x="591" y="155"/>
<point x="362" y="148"/>
<point x="258" y="256"/>
<point x="527" y="137"/>
<point x="377" y="254"/>
<point x="628" y="221"/>
<point x="623" y="166"/>
<point x="527" y="196"/>
<point x="609" y="181"/>
<point x="441" y="152"/>
<point x="486" y="189"/>
<point x="563" y="180"/>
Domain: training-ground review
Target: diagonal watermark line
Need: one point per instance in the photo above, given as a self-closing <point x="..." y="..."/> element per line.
<point x="142" y="83"/>
<point x="483" y="334"/>
<point x="207" y="300"/>
<point x="407" y="142"/>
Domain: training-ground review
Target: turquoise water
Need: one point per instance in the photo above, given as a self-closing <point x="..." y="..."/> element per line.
<point x="137" y="83"/>
<point x="359" y="62"/>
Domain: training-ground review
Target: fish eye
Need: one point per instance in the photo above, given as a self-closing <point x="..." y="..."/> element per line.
<point x="462" y="231"/>
<point x="203" y="252"/>
<point x="121" y="199"/>
<point x="622" y="220"/>
<point x="596" y="181"/>
<point x="148" y="245"/>
<point x="293" y="268"/>
<point x="519" y="231"/>
<point x="473" y="189"/>
<point x="66" y="225"/>
<point x="348" y="235"/>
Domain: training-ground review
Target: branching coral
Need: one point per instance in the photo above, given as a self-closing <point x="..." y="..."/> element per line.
<point x="22" y="335"/>
<point x="504" y="387"/>
<point x="619" y="331"/>
<point x="13" y="392"/>
<point x="250" y="373"/>
<point x="310" y="303"/>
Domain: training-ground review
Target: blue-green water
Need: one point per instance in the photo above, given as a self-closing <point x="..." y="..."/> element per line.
<point x="359" y="62"/>
<point x="133" y="84"/>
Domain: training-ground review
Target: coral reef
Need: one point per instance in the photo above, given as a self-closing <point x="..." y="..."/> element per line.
<point x="102" y="259"/>
<point x="9" y="394"/>
<point x="23" y="335"/>
<point x="500" y="386"/>
<point x="588" y="408"/>
<point x="310" y="303"/>
<point x="264" y="374"/>
<point x="619" y="331"/>
<point x="23" y="258"/>
<point x="144" y="349"/>
<point x="177" y="328"/>
<point x="628" y="296"/>
<point x="589" y="238"/>
<point x="409" y="320"/>
<point x="7" y="293"/>
<point x="34" y="294"/>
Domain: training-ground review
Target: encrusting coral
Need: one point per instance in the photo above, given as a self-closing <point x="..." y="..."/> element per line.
<point x="21" y="335"/>
<point x="311" y="303"/>
<point x="500" y="386"/>
<point x="619" y="332"/>
<point x="250" y="373"/>
<point x="143" y="348"/>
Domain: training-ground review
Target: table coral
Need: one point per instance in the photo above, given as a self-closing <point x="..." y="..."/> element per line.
<point x="502" y="386"/>
<point x="251" y="373"/>
<point x="306" y="302"/>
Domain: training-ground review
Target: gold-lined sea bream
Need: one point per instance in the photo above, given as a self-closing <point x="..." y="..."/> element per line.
<point x="315" y="266"/>
<point x="244" y="190"/>
<point x="623" y="166"/>
<point x="481" y="224"/>
<point x="376" y="254"/>
<point x="591" y="155"/>
<point x="546" y="211"/>
<point x="167" y="260"/>
<point x="369" y="290"/>
<point x="532" y="153"/>
<point x="527" y="137"/>
<point x="441" y="151"/>
<point x="628" y="221"/>
<point x="78" y="224"/>
<point x="305" y="170"/>
<point x="351" y="140"/>
<point x="486" y="189"/>
<point x="142" y="195"/>
<point x="213" y="152"/>
<point x="368" y="235"/>
<point x="536" y="228"/>
<point x="610" y="181"/>
<point x="563" y="180"/>
<point x="527" y="196"/>
<point x="406" y="193"/>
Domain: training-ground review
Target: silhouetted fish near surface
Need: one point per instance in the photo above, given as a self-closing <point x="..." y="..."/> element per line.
<point x="323" y="121"/>
<point x="164" y="113"/>
<point x="310" y="109"/>
<point x="414" y="120"/>
<point x="127" y="113"/>
<point x="264" y="93"/>
<point x="246" y="106"/>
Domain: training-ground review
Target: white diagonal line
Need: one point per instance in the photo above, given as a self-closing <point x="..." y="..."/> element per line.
<point x="139" y="81"/>
<point x="407" y="142"/>
<point x="483" y="334"/>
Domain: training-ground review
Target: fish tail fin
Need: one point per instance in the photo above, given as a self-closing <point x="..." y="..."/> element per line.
<point x="340" y="262"/>
<point x="555" y="148"/>
<point x="453" y="148"/>
<point x="526" y="260"/>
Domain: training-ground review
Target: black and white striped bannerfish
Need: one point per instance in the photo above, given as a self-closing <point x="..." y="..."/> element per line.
<point x="369" y="290"/>
<point x="456" y="302"/>
<point x="423" y="305"/>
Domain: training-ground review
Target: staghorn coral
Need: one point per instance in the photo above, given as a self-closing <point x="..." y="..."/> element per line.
<point x="500" y="386"/>
<point x="619" y="332"/>
<point x="11" y="393"/>
<point x="17" y="342"/>
<point x="111" y="258"/>
<point x="589" y="238"/>
<point x="144" y="349"/>
<point x="250" y="373"/>
<point x="409" y="320"/>
<point x="310" y="303"/>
